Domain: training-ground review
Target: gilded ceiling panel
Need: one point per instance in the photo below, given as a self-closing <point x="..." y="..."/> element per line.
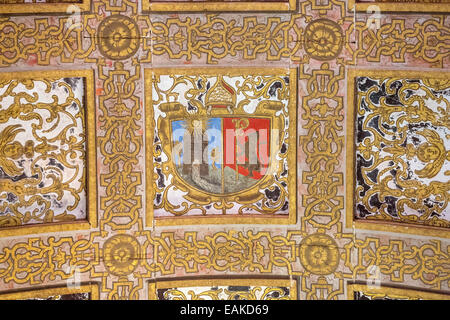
<point x="223" y="145"/>
<point x="44" y="6"/>
<point x="376" y="6"/>
<point x="78" y="292"/>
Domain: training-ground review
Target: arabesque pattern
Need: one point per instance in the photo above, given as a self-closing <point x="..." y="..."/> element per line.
<point x="43" y="170"/>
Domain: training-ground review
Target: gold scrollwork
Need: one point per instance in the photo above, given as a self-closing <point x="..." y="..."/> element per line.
<point x="323" y="39"/>
<point x="217" y="6"/>
<point x="401" y="5"/>
<point x="425" y="40"/>
<point x="44" y="172"/>
<point x="40" y="7"/>
<point x="319" y="254"/>
<point x="82" y="292"/>
<point x="224" y="289"/>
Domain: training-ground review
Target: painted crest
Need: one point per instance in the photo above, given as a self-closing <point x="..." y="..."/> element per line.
<point x="221" y="145"/>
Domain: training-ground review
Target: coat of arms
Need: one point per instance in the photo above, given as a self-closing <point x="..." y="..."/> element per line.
<point x="223" y="146"/>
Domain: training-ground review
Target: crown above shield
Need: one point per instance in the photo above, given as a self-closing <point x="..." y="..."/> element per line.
<point x="221" y="95"/>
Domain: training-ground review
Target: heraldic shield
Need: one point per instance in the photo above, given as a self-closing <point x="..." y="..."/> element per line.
<point x="221" y="145"/>
<point x="234" y="152"/>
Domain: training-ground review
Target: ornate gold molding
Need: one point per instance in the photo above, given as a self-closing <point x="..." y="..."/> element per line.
<point x="92" y="289"/>
<point x="398" y="6"/>
<point x="46" y="7"/>
<point x="198" y="197"/>
<point x="218" y="6"/>
<point x="390" y="293"/>
<point x="258" y="288"/>
<point x="90" y="172"/>
<point x="388" y="226"/>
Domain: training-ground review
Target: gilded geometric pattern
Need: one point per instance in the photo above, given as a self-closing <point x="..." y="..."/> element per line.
<point x="125" y="250"/>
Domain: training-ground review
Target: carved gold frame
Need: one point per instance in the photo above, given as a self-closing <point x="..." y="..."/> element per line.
<point x="91" y="157"/>
<point x="386" y="226"/>
<point x="215" y="219"/>
<point x="400" y="293"/>
<point x="398" y="6"/>
<point x="149" y="6"/>
<point x="43" y="8"/>
<point x="92" y="288"/>
<point x="157" y="284"/>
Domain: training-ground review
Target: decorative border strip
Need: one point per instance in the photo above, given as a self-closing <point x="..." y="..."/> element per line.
<point x="157" y="284"/>
<point x="406" y="7"/>
<point x="91" y="159"/>
<point x="399" y="293"/>
<point x="44" y="8"/>
<point x="148" y="5"/>
<point x="230" y="219"/>
<point x="385" y="226"/>
<point x="91" y="288"/>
